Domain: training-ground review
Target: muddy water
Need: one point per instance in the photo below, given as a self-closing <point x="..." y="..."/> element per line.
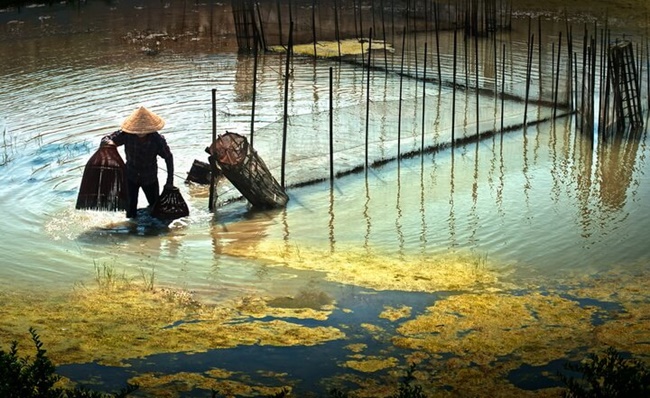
<point x="541" y="202"/>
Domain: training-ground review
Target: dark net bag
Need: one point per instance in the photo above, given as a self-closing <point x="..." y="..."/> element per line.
<point x="170" y="205"/>
<point x="103" y="185"/>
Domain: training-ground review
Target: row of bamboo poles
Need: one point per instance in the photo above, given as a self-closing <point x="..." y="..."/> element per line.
<point x="581" y="70"/>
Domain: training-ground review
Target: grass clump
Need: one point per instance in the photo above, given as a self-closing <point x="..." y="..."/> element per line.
<point x="608" y="375"/>
<point x="25" y="377"/>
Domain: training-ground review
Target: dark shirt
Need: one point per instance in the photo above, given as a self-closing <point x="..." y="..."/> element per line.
<point x="141" y="156"/>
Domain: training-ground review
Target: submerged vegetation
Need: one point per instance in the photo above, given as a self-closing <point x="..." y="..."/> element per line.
<point x="7" y="153"/>
<point x="467" y="341"/>
<point x="601" y="376"/>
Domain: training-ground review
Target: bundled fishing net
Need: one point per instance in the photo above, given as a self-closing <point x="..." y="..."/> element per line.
<point x="103" y="185"/>
<point x="170" y="205"/>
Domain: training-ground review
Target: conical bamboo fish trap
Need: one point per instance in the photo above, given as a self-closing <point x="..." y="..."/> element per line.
<point x="103" y="185"/>
<point x="170" y="205"/>
<point x="247" y="171"/>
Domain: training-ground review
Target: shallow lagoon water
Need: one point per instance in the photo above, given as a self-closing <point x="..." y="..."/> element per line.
<point x="537" y="205"/>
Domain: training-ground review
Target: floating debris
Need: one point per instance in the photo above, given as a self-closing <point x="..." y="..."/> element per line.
<point x="331" y="49"/>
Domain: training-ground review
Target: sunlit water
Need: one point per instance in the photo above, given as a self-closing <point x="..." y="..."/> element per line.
<point x="540" y="201"/>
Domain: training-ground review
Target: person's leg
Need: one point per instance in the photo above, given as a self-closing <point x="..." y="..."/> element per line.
<point x="132" y="199"/>
<point x="152" y="192"/>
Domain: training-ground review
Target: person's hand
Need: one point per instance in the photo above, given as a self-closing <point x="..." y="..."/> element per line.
<point x="169" y="186"/>
<point x="108" y="142"/>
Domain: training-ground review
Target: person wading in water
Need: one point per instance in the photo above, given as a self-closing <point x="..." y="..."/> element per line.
<point x="142" y="145"/>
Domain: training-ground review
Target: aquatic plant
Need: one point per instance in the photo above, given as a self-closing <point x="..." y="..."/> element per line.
<point x="7" y="154"/>
<point x="107" y="278"/>
<point x="24" y="377"/>
<point x="148" y="278"/>
<point x="406" y="388"/>
<point x="607" y="375"/>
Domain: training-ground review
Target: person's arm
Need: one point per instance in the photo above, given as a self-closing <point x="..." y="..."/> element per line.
<point x="169" y="161"/>
<point x="114" y="138"/>
<point x="166" y="154"/>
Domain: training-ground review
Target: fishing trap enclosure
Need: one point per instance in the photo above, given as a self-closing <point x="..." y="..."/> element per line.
<point x="246" y="170"/>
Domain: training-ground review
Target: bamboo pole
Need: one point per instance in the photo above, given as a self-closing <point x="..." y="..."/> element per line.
<point x="465" y="45"/>
<point x="424" y="96"/>
<point x="453" y="101"/>
<point x="313" y="25"/>
<point x="478" y="128"/>
<point x="584" y="76"/>
<point x="255" y="57"/>
<point x="368" y="95"/>
<point x="437" y="22"/>
<point x="383" y="30"/>
<point x="531" y="39"/>
<point x="557" y="75"/>
<point x="279" y="21"/>
<point x="337" y="31"/>
<point x="576" y="89"/>
<point x="503" y="84"/>
<point x="261" y="36"/>
<point x="553" y="70"/>
<point x="401" y="84"/>
<point x="214" y="138"/>
<point x="331" y="125"/>
<point x="286" y="101"/>
<point x="539" y="50"/>
<point x="569" y="96"/>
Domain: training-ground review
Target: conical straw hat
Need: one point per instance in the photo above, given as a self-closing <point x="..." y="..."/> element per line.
<point x="142" y="121"/>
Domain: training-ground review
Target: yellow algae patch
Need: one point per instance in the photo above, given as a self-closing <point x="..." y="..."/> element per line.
<point x="485" y="382"/>
<point x="109" y="325"/>
<point x="219" y="373"/>
<point x="378" y="270"/>
<point x="282" y="307"/>
<point x="483" y="327"/>
<point x="372" y="364"/>
<point x="627" y="328"/>
<point x="173" y="385"/>
<point x="313" y="299"/>
<point x="393" y="314"/>
<point x="359" y="347"/>
<point x="630" y="331"/>
<point x="614" y="286"/>
<point x="371" y="328"/>
<point x="329" y="49"/>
